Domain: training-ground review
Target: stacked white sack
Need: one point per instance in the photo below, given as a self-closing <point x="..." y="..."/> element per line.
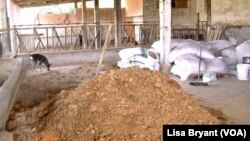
<point x="215" y="65"/>
<point x="187" y="65"/>
<point x="139" y="57"/>
<point x="126" y="54"/>
<point x="229" y="56"/>
<point x="243" y="50"/>
<point x="190" y="48"/>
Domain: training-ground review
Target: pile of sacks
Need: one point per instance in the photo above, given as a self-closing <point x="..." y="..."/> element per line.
<point x="139" y="57"/>
<point x="213" y="57"/>
<point x="217" y="57"/>
<point x="192" y="57"/>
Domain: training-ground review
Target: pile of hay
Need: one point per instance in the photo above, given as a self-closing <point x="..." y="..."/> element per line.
<point x="127" y="104"/>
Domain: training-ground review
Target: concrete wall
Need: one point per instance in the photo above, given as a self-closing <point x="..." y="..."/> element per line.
<point x="224" y="12"/>
<point x="9" y="89"/>
<point x="201" y="8"/>
<point x="74" y="57"/>
<point x="6" y="69"/>
<point x="151" y="10"/>
<point x="231" y="12"/>
<point x="185" y="16"/>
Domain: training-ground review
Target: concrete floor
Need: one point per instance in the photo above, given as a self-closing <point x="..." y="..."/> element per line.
<point x="229" y="95"/>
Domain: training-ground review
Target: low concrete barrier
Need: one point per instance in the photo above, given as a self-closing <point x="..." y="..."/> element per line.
<point x="6" y="136"/>
<point x="75" y="57"/>
<point x="9" y="89"/>
<point x="6" y="68"/>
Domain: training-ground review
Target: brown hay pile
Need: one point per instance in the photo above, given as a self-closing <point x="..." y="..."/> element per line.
<point x="128" y="104"/>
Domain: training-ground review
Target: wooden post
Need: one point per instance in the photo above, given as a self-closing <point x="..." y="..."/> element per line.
<point x="118" y="23"/>
<point x="4" y="24"/>
<point x="84" y="21"/>
<point x="97" y="23"/>
<point x="107" y="38"/>
<point x="47" y="38"/>
<point x="165" y="32"/>
<point x="197" y="27"/>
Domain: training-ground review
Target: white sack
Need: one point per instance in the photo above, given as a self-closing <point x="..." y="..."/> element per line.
<point x="179" y="71"/>
<point x="135" y="61"/>
<point x="176" y="42"/>
<point x="220" y="44"/>
<point x="153" y="59"/>
<point x="242" y="50"/>
<point x="229" y="56"/>
<point x="189" y="61"/>
<point x="217" y="46"/>
<point x="148" y="59"/>
<point x="187" y="65"/>
<point x="190" y="48"/>
<point x="158" y="47"/>
<point x="126" y="54"/>
<point x="216" y="65"/>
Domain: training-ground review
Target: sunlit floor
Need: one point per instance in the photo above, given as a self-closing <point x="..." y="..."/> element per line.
<point x="229" y="95"/>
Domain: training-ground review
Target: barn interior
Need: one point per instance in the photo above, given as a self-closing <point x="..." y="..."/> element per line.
<point x="87" y="96"/>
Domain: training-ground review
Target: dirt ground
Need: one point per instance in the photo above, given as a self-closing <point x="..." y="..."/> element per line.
<point x="37" y="85"/>
<point x="128" y="104"/>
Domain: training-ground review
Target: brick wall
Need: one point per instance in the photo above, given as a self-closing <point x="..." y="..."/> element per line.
<point x="106" y="15"/>
<point x="134" y="8"/>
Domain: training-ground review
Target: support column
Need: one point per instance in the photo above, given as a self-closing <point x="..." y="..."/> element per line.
<point x="4" y="21"/>
<point x="75" y="4"/>
<point x="84" y="21"/>
<point x="209" y="16"/>
<point x="165" y="32"/>
<point x="118" y="23"/>
<point x="97" y="23"/>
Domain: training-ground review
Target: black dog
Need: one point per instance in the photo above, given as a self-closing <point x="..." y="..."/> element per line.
<point x="41" y="59"/>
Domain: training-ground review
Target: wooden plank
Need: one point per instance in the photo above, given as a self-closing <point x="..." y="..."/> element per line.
<point x="210" y="35"/>
<point x="104" y="48"/>
<point x="218" y="33"/>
